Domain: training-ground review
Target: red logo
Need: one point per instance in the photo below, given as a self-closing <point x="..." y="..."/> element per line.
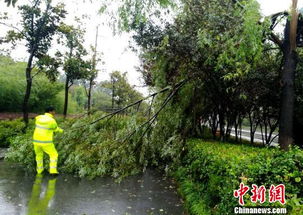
<point x="276" y="193"/>
<point x="258" y="194"/>
<point x="241" y="192"/>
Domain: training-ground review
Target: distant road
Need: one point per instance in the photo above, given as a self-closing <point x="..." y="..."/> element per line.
<point x="257" y="137"/>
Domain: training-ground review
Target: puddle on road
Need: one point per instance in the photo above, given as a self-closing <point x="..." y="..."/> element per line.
<point x="23" y="194"/>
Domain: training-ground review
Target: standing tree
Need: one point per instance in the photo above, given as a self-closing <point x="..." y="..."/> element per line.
<point x="122" y="92"/>
<point x="39" y="23"/>
<point x="292" y="38"/>
<point x="288" y="75"/>
<point x="91" y="76"/>
<point x="113" y="81"/>
<point x="288" y="46"/>
<point x="74" y="66"/>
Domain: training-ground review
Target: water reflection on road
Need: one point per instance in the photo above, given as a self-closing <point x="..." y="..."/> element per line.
<point x="40" y="199"/>
<point x="26" y="194"/>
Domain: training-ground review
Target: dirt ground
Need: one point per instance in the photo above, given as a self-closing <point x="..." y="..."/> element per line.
<point x="11" y="116"/>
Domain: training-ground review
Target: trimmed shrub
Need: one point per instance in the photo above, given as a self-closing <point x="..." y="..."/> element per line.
<point x="9" y="129"/>
<point x="211" y="171"/>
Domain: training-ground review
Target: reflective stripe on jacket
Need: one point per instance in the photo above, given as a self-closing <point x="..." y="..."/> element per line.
<point x="46" y="125"/>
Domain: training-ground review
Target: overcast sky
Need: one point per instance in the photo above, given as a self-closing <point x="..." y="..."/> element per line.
<point x="272" y="6"/>
<point x="115" y="49"/>
<point x="116" y="52"/>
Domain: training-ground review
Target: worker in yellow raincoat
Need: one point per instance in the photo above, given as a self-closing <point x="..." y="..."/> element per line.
<point x="46" y="125"/>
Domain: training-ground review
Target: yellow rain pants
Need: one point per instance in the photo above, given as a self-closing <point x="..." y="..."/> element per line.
<point x="53" y="155"/>
<point x="46" y="125"/>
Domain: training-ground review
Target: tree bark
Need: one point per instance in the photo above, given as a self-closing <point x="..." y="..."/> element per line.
<point x="89" y="96"/>
<point x="28" y="88"/>
<point x="254" y="122"/>
<point x="113" y="94"/>
<point x="222" y="125"/>
<point x="213" y="122"/>
<point x="66" y="97"/>
<point x="91" y="80"/>
<point x="287" y="100"/>
<point x="288" y="91"/>
<point x="237" y="126"/>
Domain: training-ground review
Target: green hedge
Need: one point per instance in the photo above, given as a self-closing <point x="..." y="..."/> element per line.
<point x="9" y="129"/>
<point x="211" y="171"/>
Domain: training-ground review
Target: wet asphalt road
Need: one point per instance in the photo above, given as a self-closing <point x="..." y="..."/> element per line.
<point x="21" y="193"/>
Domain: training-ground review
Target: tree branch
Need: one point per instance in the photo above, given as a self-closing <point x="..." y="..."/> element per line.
<point x="272" y="48"/>
<point x="274" y="18"/>
<point x="14" y="27"/>
<point x="128" y="106"/>
<point x="273" y="138"/>
<point x="154" y="117"/>
<point x="71" y="83"/>
<point x="150" y="107"/>
<point x="276" y="40"/>
<point x="36" y="73"/>
<point x="151" y="120"/>
<point x="139" y="106"/>
<point x="85" y="88"/>
<point x="293" y="25"/>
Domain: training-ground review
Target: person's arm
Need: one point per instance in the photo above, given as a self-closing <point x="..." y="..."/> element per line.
<point x="56" y="127"/>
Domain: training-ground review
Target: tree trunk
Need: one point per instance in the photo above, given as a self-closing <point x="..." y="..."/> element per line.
<point x="253" y="125"/>
<point x="213" y="122"/>
<point x="91" y="80"/>
<point x="89" y="96"/>
<point x="237" y="123"/>
<point x="240" y="128"/>
<point x="228" y="130"/>
<point x="222" y="125"/>
<point x="28" y="88"/>
<point x="262" y="134"/>
<point x="201" y="128"/>
<point x="27" y="95"/>
<point x="113" y="94"/>
<point x="287" y="101"/>
<point x="66" y="97"/>
<point x="288" y="91"/>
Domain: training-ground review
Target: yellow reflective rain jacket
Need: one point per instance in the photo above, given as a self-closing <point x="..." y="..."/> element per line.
<point x="46" y="125"/>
